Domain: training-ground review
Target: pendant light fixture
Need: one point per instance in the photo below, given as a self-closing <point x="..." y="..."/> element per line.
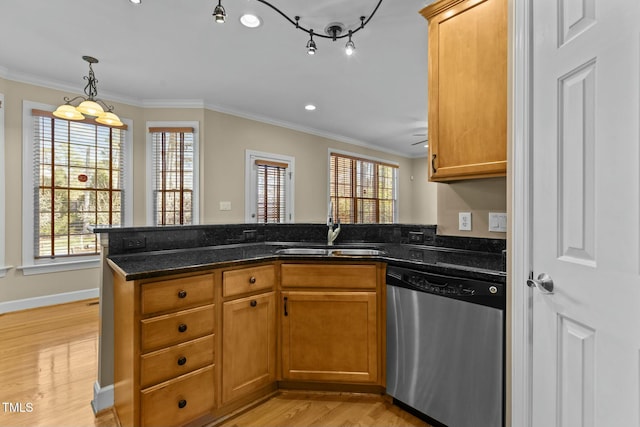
<point x="90" y="106"/>
<point x="333" y="31"/>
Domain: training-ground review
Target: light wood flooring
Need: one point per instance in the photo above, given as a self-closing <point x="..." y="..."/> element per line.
<point x="48" y="365"/>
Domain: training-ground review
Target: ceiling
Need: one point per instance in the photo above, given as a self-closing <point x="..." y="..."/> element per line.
<point x="171" y="53"/>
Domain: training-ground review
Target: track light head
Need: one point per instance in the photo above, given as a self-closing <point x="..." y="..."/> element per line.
<point x="219" y="13"/>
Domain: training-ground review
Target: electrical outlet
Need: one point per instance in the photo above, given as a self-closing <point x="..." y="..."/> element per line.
<point x="498" y="222"/>
<point x="225" y="206"/>
<point x="134" y="242"/>
<point x="464" y="221"/>
<point x="416" y="237"/>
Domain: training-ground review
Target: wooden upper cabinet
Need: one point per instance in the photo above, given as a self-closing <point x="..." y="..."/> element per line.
<point x="467" y="87"/>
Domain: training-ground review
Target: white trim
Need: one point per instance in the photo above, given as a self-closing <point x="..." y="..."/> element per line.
<point x="362" y="156"/>
<point x="47" y="300"/>
<point x="520" y="238"/>
<point x="150" y="178"/>
<point x="30" y="264"/>
<point x="3" y="204"/>
<point x="250" y="183"/>
<point x="3" y="270"/>
<point x="60" y="265"/>
<point x="103" y="397"/>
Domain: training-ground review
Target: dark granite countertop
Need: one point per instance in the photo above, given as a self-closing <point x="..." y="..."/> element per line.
<point x="488" y="266"/>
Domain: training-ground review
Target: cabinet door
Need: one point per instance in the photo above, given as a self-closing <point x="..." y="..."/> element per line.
<point x="329" y="336"/>
<point x="467" y="89"/>
<point x="249" y="345"/>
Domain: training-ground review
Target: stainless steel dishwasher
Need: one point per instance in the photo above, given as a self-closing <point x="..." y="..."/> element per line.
<point x="445" y="347"/>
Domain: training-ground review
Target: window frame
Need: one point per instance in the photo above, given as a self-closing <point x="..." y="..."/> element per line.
<point x="251" y="184"/>
<point x="31" y="264"/>
<point x="369" y="159"/>
<point x="151" y="177"/>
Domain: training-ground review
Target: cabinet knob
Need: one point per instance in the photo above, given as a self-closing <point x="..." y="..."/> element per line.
<point x="182" y="327"/>
<point x="182" y="403"/>
<point x="182" y="294"/>
<point x="252" y="280"/>
<point x="182" y="360"/>
<point x="254" y="303"/>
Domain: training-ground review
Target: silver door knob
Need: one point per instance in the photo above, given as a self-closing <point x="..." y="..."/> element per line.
<point x="544" y="283"/>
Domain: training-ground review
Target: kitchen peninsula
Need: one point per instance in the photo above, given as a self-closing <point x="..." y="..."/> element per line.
<point x="209" y="319"/>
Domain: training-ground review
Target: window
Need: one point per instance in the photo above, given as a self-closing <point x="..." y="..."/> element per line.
<point x="269" y="188"/>
<point x="78" y="171"/>
<point x="173" y="195"/>
<point x="75" y="175"/>
<point x="362" y="190"/>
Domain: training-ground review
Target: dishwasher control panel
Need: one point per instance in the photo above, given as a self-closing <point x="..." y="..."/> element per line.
<point x="477" y="291"/>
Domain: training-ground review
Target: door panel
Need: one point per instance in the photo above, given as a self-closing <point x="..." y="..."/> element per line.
<point x="586" y="197"/>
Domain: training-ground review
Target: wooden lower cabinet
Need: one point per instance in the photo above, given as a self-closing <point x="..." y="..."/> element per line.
<point x="192" y="349"/>
<point x="330" y="336"/>
<point x="248" y="345"/>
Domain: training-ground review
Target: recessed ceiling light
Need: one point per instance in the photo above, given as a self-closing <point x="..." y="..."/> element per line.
<point x="309" y="107"/>
<point x="136" y="1"/>
<point x="250" y="21"/>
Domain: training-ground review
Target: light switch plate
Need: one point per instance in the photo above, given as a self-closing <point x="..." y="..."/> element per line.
<point x="464" y="221"/>
<point x="498" y="222"/>
<point x="225" y="206"/>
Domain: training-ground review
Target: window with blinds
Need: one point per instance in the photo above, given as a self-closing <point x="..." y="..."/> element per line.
<point x="271" y="192"/>
<point x="363" y="190"/>
<point x="173" y="174"/>
<point x="78" y="176"/>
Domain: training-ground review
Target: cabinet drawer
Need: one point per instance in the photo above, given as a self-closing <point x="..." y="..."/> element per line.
<point x="170" y="329"/>
<point x="236" y="282"/>
<point x="177" y="294"/>
<point x="362" y="276"/>
<point x="179" y="401"/>
<point x="162" y="365"/>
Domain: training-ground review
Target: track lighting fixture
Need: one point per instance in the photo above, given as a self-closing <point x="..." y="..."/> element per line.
<point x="219" y="13"/>
<point x="90" y="106"/>
<point x="333" y="31"/>
<point x="311" y="45"/>
<point x="350" y="46"/>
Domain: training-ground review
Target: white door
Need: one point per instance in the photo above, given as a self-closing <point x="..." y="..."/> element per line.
<point x="586" y="218"/>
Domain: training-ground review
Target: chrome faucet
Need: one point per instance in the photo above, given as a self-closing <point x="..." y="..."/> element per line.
<point x="332" y="234"/>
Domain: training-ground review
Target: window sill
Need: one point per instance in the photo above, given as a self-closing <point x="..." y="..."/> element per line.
<point x="53" y="267"/>
<point x="3" y="270"/>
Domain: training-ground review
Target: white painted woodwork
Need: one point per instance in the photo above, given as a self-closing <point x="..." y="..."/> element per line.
<point x="585" y="103"/>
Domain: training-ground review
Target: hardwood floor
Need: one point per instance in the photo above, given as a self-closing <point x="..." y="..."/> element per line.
<point x="295" y="409"/>
<point x="49" y="363"/>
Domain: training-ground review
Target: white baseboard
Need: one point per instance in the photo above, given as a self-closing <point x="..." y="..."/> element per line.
<point x="43" y="301"/>
<point x="102" y="397"/>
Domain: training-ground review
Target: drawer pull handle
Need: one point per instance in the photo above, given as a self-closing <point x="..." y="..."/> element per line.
<point x="286" y="313"/>
<point x="182" y="294"/>
<point x="182" y="403"/>
<point x="182" y="361"/>
<point x="252" y="280"/>
<point x="182" y="327"/>
<point x="254" y="303"/>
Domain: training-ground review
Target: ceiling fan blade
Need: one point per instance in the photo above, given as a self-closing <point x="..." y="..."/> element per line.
<point x="420" y="142"/>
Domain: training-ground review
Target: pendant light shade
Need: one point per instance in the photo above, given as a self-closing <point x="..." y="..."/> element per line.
<point x="109" y="119"/>
<point x="68" y="112"/>
<point x="90" y="108"/>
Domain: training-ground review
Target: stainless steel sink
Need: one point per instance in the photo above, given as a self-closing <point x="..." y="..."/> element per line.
<point x="355" y="252"/>
<point x="330" y="252"/>
<point x="303" y="251"/>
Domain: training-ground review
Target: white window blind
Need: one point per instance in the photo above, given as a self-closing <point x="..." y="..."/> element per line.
<point x="78" y="169"/>
<point x="173" y="165"/>
<point x="272" y="191"/>
<point x="362" y="190"/>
